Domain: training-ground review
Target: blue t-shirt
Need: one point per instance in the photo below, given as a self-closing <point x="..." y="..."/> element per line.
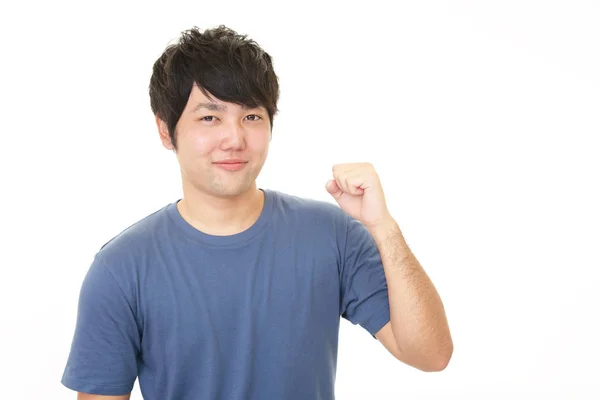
<point x="252" y="316"/>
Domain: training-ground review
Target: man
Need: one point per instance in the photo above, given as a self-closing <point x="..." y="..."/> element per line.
<point x="235" y="292"/>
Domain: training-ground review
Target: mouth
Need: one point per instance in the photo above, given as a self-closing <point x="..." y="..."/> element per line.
<point x="231" y="165"/>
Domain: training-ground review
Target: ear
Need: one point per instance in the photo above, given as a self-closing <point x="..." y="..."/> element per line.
<point x="163" y="131"/>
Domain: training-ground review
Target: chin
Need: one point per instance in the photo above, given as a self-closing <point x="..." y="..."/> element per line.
<point x="231" y="191"/>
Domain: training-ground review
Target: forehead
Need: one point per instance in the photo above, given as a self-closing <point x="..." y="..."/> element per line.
<point x="199" y="101"/>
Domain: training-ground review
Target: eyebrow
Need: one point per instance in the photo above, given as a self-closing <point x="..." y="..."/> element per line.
<point x="216" y="107"/>
<point x="210" y="107"/>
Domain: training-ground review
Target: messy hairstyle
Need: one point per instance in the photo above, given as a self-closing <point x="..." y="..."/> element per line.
<point x="229" y="66"/>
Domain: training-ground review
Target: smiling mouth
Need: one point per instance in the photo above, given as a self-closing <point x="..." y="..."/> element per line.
<point x="231" y="166"/>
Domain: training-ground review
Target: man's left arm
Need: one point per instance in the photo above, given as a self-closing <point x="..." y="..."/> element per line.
<point x="418" y="332"/>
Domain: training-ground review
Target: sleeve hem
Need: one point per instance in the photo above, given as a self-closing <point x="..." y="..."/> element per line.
<point x="378" y="321"/>
<point x="94" y="388"/>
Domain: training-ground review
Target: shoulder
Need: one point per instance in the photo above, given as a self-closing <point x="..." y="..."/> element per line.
<point x="304" y="205"/>
<point x="322" y="217"/>
<point x="308" y="209"/>
<point x="134" y="241"/>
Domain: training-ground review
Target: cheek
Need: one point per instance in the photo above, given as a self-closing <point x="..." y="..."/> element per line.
<point x="198" y="145"/>
<point x="259" y="143"/>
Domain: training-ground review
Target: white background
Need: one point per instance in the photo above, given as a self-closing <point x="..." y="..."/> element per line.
<point x="482" y="119"/>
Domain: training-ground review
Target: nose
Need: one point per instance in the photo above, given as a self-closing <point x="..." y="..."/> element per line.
<point x="233" y="137"/>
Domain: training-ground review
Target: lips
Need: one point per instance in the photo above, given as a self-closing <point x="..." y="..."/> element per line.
<point x="231" y="161"/>
<point x="231" y="165"/>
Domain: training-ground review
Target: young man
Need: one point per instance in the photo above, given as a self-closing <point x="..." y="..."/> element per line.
<point x="235" y="292"/>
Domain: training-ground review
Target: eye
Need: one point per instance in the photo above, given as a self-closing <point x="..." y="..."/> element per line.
<point x="207" y="120"/>
<point x="257" y="117"/>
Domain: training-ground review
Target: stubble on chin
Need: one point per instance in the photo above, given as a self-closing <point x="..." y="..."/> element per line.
<point x="224" y="185"/>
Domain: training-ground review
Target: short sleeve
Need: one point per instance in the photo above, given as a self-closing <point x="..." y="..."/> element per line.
<point x="364" y="288"/>
<point x="106" y="343"/>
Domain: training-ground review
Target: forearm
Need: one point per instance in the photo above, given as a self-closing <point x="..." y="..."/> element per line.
<point x="417" y="314"/>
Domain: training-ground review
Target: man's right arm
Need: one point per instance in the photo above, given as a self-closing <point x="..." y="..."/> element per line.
<point x="87" y="396"/>
<point x="106" y="346"/>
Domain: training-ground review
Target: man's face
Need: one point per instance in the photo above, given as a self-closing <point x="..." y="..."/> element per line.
<point x="211" y="135"/>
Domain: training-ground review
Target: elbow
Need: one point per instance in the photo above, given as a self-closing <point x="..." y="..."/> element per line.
<point x="428" y="357"/>
<point x="440" y="361"/>
<point x="437" y="366"/>
<point x="434" y="361"/>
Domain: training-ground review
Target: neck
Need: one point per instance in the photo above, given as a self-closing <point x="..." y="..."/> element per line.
<point x="221" y="216"/>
